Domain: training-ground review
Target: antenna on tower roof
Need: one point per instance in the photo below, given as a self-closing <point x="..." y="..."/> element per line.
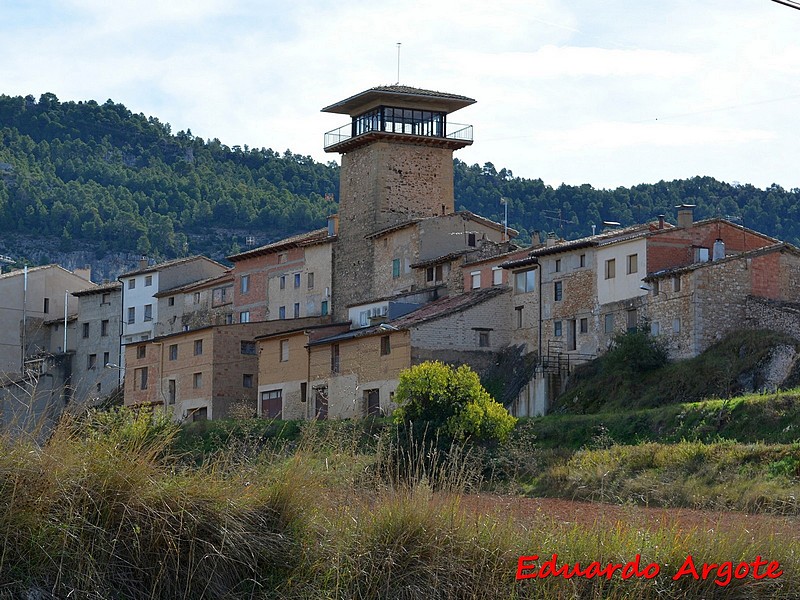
<point x="398" y="62"/>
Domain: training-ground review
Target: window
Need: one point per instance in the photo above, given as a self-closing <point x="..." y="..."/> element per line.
<point x="497" y="276"/>
<point x="282" y="312"/>
<point x="247" y="380"/>
<point x="471" y="239"/>
<point x="557" y="265"/>
<point x="92" y="362"/>
<point x="140" y="378"/>
<point x="141" y="351"/>
<point x="656" y="287"/>
<point x="46" y="307"/>
<point x="525" y="281"/>
<point x="171" y="391"/>
<point x="476" y="279"/>
<point x="198" y="414"/>
<point x="609" y="323"/>
<point x="324" y="308"/>
<point x="676" y="283"/>
<point x="701" y="255"/>
<point x="271" y="404"/>
<point x="655" y="328"/>
<point x="244" y="316"/>
<point x="386" y="347"/>
<point x="219" y="296"/>
<point x="434" y="274"/>
<point x="131" y="314"/>
<point x="248" y="347"/>
<point x="557" y="329"/>
<point x="198" y="347"/>
<point x="283" y="282"/>
<point x="310" y="278"/>
<point x="303" y="391"/>
<point x="297" y="280"/>
<point x="284" y="350"/>
<point x="676" y="325"/>
<point x="229" y="319"/>
<point x="396" y="268"/>
<point x="131" y="284"/>
<point x="558" y="291"/>
<point x="518" y="312"/>
<point x="296" y="310"/>
<point x="283" y="257"/>
<point x="104" y="327"/>
<point x="244" y="282"/>
<point x="483" y="339"/>
<point x="633" y="263"/>
<point x="197" y="380"/>
<point x="196" y="298"/>
<point x="584" y="325"/>
<point x="582" y="260"/>
<point x="148" y="280"/>
<point x="335" y="358"/>
<point x="85" y="330"/>
<point x="106" y="358"/>
<point x="173" y="351"/>
<point x="105" y="298"/>
<point x="171" y="301"/>
<point x="611" y="268"/>
<point x="148" y="312"/>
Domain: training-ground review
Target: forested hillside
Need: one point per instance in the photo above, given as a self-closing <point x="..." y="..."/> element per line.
<point x="97" y="174"/>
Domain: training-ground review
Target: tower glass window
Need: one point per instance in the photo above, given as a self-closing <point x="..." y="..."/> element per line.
<point x="400" y="120"/>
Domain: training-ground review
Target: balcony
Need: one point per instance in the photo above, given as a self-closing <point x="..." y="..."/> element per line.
<point x="342" y="139"/>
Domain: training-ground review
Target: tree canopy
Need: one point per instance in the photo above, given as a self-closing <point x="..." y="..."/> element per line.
<point x="88" y="172"/>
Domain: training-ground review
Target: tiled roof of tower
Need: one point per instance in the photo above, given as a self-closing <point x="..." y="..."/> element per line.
<point x="399" y="92"/>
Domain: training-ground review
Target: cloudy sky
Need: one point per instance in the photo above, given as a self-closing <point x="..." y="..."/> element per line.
<point x="611" y="93"/>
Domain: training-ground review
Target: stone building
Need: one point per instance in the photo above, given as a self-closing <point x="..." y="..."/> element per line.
<point x="309" y="373"/>
<point x="32" y="297"/>
<point x="572" y="297"/>
<point x="141" y="286"/>
<point x="96" y="367"/>
<point x="397" y="167"/>
<point x="205" y="373"/>
<point x="287" y="279"/>
<point x="693" y="306"/>
<point x="196" y="304"/>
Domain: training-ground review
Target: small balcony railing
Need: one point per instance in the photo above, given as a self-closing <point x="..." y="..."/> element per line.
<point x="455" y="131"/>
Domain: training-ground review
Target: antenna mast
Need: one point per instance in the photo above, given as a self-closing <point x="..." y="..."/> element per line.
<point x="398" y="62"/>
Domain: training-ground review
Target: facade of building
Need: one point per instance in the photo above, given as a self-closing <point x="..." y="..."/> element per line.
<point x="34" y="297"/>
<point x="691" y="307"/>
<point x="196" y="304"/>
<point x="397" y="166"/>
<point x="141" y="286"/>
<point x="354" y="372"/>
<point x="96" y="364"/>
<point x="205" y="373"/>
<point x="288" y="279"/>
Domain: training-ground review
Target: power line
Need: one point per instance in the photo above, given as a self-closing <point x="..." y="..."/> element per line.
<point x="789" y="3"/>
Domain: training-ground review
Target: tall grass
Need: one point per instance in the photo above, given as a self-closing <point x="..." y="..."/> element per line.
<point x="108" y="509"/>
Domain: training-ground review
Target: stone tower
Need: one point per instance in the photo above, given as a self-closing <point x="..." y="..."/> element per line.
<point x="397" y="166"/>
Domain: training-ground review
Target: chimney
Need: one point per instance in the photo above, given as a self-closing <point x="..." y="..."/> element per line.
<point x="718" y="252"/>
<point x="551" y="240"/>
<point x="661" y="221"/>
<point x="143" y="262"/>
<point x="333" y="225"/>
<point x="685" y="215"/>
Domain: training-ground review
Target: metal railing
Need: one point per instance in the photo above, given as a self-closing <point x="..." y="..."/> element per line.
<point x="455" y="131"/>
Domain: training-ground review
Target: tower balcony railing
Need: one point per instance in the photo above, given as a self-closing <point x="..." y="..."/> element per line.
<point x="454" y="131"/>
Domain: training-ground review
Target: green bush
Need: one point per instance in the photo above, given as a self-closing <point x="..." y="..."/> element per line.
<point x="453" y="399"/>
